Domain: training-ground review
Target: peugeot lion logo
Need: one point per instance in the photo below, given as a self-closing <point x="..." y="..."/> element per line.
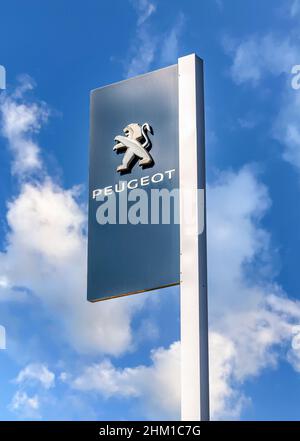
<point x="136" y="144"/>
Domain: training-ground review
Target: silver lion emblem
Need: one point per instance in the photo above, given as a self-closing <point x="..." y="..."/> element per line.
<point x="136" y="144"/>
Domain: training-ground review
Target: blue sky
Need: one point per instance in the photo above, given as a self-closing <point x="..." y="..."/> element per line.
<point x="68" y="359"/>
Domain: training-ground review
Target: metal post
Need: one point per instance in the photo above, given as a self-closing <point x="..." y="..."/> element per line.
<point x="193" y="260"/>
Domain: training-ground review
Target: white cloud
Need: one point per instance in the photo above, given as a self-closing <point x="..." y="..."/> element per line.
<point x="226" y="400"/>
<point x="250" y="317"/>
<point x="156" y="386"/>
<point x="25" y="406"/>
<point x="63" y="376"/>
<point x="236" y="204"/>
<point x="46" y="241"/>
<point x="19" y="123"/>
<point x="248" y="343"/>
<point x="36" y="373"/>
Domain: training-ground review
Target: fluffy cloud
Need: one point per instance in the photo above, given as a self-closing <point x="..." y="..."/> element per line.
<point x="236" y="204"/>
<point x="46" y="241"/>
<point x="24" y="405"/>
<point x="226" y="401"/>
<point x="157" y="387"/>
<point x="18" y="124"/>
<point x="36" y="373"/>
<point x="250" y="317"/>
<point x="37" y="377"/>
<point x="253" y="341"/>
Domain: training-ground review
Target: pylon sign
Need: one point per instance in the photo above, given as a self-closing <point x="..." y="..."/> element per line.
<point x="147" y="223"/>
<point x="133" y="239"/>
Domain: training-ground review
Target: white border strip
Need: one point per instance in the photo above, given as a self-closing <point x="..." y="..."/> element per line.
<point x="193" y="288"/>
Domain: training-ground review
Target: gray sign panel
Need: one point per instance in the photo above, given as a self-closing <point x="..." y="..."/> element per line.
<point x="125" y="258"/>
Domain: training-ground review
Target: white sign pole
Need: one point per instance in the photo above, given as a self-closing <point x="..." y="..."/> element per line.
<point x="193" y="260"/>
